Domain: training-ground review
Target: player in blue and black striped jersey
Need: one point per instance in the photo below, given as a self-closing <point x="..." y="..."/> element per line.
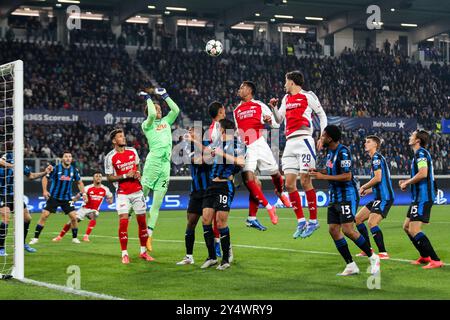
<point x="228" y="160"/>
<point x="380" y="185"/>
<point x="423" y="194"/>
<point x="200" y="174"/>
<point x="7" y="198"/>
<point x="344" y="200"/>
<point x="60" y="195"/>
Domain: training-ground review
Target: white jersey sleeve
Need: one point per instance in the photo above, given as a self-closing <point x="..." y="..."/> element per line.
<point x="315" y="105"/>
<point x="109" y="168"/>
<point x="266" y="112"/>
<point x="109" y="194"/>
<point x="280" y="114"/>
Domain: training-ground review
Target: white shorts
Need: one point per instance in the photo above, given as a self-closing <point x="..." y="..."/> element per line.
<point x="124" y="202"/>
<point x="83" y="212"/>
<point x="299" y="155"/>
<point x="259" y="156"/>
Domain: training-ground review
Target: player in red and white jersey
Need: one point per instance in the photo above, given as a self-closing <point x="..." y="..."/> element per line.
<point x="251" y="116"/>
<point x="93" y="197"/>
<point x="299" y="154"/>
<point x="122" y="168"/>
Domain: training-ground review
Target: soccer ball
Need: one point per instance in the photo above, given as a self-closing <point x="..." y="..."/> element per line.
<point x="214" y="48"/>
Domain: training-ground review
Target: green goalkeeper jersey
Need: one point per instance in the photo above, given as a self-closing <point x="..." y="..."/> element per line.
<point x="159" y="131"/>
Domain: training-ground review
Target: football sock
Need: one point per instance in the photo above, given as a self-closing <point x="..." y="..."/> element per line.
<point x="225" y="242"/>
<point x="363" y="245"/>
<point x="65" y="229"/>
<point x="142" y="229"/>
<point x="418" y="248"/>
<point x="158" y="197"/>
<point x="38" y="230"/>
<point x="363" y="230"/>
<point x="342" y="247"/>
<point x="3" y="232"/>
<point x="74" y="232"/>
<point x="426" y="247"/>
<point x="312" y="204"/>
<point x="253" y="205"/>
<point x="209" y="241"/>
<point x="189" y="239"/>
<point x="143" y="249"/>
<point x="294" y="197"/>
<point x="91" y="226"/>
<point x="26" y="226"/>
<point x="257" y="193"/>
<point x="149" y="231"/>
<point x="123" y="234"/>
<point x="124" y="253"/>
<point x="378" y="237"/>
<point x="277" y="181"/>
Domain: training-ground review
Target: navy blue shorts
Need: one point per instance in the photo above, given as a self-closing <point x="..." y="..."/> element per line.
<point x="196" y="202"/>
<point x="380" y="207"/>
<point x="219" y="196"/>
<point x="344" y="212"/>
<point x="420" y="211"/>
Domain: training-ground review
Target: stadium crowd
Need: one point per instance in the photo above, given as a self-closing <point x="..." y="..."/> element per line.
<point x="95" y="77"/>
<point x="75" y="78"/>
<point x="358" y="83"/>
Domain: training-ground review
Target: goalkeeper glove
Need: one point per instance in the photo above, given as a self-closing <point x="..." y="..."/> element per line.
<point x="162" y="92"/>
<point x="144" y="94"/>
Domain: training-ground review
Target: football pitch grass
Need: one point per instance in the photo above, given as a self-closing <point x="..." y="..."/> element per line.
<point x="267" y="265"/>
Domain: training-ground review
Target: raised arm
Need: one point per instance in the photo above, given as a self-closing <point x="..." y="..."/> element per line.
<point x="268" y="117"/>
<point x="151" y="111"/>
<point x="174" y="109"/>
<point x="278" y="114"/>
<point x="37" y="175"/>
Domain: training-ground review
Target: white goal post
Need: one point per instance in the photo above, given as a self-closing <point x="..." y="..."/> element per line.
<point x="11" y="102"/>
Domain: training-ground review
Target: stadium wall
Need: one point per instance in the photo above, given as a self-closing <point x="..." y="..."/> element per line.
<point x="177" y="197"/>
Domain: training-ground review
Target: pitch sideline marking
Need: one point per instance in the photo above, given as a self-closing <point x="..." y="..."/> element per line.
<point x="64" y="289"/>
<point x="256" y="247"/>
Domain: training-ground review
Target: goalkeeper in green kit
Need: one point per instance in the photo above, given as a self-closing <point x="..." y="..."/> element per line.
<point x="157" y="130"/>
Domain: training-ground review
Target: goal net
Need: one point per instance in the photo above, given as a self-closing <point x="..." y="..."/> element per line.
<point x="11" y="171"/>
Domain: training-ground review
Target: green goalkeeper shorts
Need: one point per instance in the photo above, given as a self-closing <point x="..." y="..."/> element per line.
<point x="156" y="174"/>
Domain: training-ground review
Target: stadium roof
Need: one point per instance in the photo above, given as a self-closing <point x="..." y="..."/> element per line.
<point x="432" y="17"/>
